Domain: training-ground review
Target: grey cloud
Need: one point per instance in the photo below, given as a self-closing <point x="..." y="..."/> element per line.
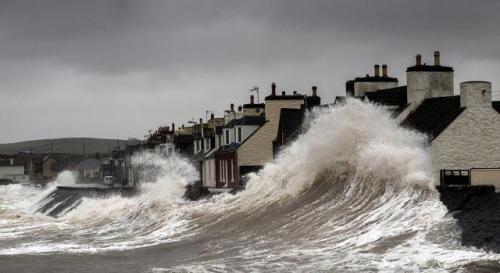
<point x="155" y="56"/>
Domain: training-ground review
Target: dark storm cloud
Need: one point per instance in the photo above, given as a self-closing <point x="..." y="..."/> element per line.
<point x="67" y="56"/>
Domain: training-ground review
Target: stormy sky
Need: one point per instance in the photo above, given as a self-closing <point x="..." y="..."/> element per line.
<point x="116" y="69"/>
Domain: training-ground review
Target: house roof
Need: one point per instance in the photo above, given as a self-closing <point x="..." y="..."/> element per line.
<point x="339" y="99"/>
<point x="228" y="148"/>
<point x="368" y="78"/>
<point x="247" y="120"/>
<point x="434" y="115"/>
<point x="285" y="97"/>
<point x="254" y="105"/>
<point x="429" y="68"/>
<point x="289" y="124"/>
<point x="88" y="164"/>
<point x="391" y="96"/>
<point x="496" y="105"/>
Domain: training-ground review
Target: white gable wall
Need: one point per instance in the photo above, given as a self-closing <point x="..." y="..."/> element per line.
<point x="471" y="141"/>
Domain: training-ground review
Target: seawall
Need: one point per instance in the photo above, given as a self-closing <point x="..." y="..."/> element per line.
<point x="477" y="211"/>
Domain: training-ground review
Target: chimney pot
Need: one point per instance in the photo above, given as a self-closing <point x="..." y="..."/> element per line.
<point x="418" y="59"/>
<point x="384" y="70"/>
<point x="251" y="99"/>
<point x="212" y="116"/>
<point x="436" y="58"/>
<point x="315" y="90"/>
<point x="283" y="93"/>
<point x="377" y="70"/>
<point x="273" y="89"/>
<point x="232" y="107"/>
<point x="240" y="108"/>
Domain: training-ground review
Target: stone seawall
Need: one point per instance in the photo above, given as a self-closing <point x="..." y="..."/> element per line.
<point x="477" y="211"/>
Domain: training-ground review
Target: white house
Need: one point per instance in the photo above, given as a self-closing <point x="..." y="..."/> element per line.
<point x="463" y="130"/>
<point x="12" y="171"/>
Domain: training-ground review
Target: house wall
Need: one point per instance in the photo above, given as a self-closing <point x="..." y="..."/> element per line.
<point x="47" y="168"/>
<point x="258" y="149"/>
<point x="360" y="88"/>
<point x="226" y="166"/>
<point x="253" y="111"/>
<point x="246" y="131"/>
<point x="471" y="141"/>
<point x="425" y="84"/>
<point x="6" y="172"/>
<point x="273" y="108"/>
<point x="209" y="173"/>
<point x="485" y="177"/>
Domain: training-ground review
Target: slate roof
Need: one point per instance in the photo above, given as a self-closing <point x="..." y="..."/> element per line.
<point x="434" y="115"/>
<point x="429" y="68"/>
<point x="340" y="99"/>
<point x="286" y="97"/>
<point x="289" y="126"/>
<point x="391" y="96"/>
<point x="254" y="105"/>
<point x="368" y="78"/>
<point x="247" y="120"/>
<point x="312" y="101"/>
<point x="496" y="105"/>
<point x="228" y="148"/>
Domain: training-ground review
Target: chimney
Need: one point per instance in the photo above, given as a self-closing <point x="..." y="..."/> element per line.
<point x="173" y="126"/>
<point x="295" y="92"/>
<point x="475" y="93"/>
<point x="384" y="70"/>
<point x="273" y="89"/>
<point x="232" y="107"/>
<point x="419" y="59"/>
<point x="212" y="116"/>
<point x="12" y="161"/>
<point x="182" y="127"/>
<point x="201" y="121"/>
<point x="436" y="58"/>
<point x="240" y="108"/>
<point x="251" y="99"/>
<point x="283" y="93"/>
<point x="377" y="70"/>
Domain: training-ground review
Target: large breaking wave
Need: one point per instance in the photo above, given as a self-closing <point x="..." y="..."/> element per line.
<point x="353" y="193"/>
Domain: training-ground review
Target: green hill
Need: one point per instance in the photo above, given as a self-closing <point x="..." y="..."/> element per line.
<point x="66" y="145"/>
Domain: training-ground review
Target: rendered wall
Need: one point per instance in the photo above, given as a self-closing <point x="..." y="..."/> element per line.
<point x="471" y="141"/>
<point x="258" y="149"/>
<point x="427" y="84"/>
<point x="485" y="177"/>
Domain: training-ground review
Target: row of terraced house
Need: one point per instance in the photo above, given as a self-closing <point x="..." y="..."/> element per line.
<point x="463" y="129"/>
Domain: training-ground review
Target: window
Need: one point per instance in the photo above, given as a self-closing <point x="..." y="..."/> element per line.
<point x="239" y="134"/>
<point x="227" y="136"/>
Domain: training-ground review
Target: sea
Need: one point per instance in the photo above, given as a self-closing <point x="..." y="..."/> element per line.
<point x="353" y="193"/>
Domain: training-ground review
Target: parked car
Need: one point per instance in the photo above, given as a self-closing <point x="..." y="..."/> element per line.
<point x="108" y="180"/>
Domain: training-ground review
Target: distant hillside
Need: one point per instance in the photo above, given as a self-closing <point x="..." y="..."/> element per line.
<point x="66" y="145"/>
